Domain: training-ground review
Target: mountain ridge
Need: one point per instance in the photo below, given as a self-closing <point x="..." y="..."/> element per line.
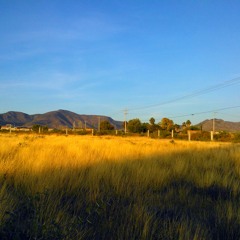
<point x="62" y="118"/>
<point x="55" y="119"/>
<point x="220" y="125"/>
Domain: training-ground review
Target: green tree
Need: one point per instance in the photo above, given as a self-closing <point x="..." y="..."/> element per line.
<point x="176" y="127"/>
<point x="167" y="124"/>
<point x="37" y="127"/>
<point x="152" y="126"/>
<point x="106" y="125"/>
<point x="188" y="123"/>
<point x="152" y="121"/>
<point x="145" y="127"/>
<point x="134" y="126"/>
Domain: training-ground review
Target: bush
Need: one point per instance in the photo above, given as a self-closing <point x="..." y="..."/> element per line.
<point x="236" y="137"/>
<point x="223" y="137"/>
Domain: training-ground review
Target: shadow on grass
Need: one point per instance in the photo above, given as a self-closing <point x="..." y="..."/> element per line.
<point x="179" y="208"/>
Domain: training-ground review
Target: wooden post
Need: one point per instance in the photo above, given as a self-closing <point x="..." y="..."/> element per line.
<point x="189" y="135"/>
<point x="92" y="132"/>
<point x="172" y="134"/>
<point x="159" y="133"/>
<point x="116" y="132"/>
<point x="148" y="133"/>
<point x="212" y="135"/>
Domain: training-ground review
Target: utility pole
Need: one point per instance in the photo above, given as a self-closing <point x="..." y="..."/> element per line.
<point x="213" y="131"/>
<point x="214" y="122"/>
<point x="125" y="120"/>
<point x="85" y="124"/>
<point x="99" y="123"/>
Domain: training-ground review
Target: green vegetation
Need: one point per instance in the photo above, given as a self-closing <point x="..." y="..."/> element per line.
<point x="39" y="128"/>
<point x="106" y="125"/>
<point x="135" y="126"/>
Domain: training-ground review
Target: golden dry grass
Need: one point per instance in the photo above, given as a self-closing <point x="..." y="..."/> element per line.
<point x="135" y="175"/>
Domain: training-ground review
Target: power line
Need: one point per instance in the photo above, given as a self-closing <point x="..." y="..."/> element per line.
<point x="198" y="113"/>
<point x="204" y="112"/>
<point x="231" y="115"/>
<point x="194" y="94"/>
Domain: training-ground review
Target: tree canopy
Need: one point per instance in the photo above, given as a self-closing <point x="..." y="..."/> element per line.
<point x="37" y="127"/>
<point x="152" y="126"/>
<point x="106" y="125"/>
<point x="167" y="124"/>
<point x="135" y="126"/>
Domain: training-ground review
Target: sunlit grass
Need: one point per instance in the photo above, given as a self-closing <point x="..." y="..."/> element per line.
<point x="81" y="187"/>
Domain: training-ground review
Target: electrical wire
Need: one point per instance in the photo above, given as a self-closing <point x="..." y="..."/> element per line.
<point x="224" y="84"/>
<point x="211" y="111"/>
<point x="194" y="94"/>
<point x="199" y="113"/>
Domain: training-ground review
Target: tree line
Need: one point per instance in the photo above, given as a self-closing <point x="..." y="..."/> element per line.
<point x="136" y="126"/>
<point x="166" y="124"/>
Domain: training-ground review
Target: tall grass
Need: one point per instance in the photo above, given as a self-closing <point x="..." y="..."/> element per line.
<point x="83" y="187"/>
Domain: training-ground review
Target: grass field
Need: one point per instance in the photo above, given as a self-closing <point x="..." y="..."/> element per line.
<point x="83" y="187"/>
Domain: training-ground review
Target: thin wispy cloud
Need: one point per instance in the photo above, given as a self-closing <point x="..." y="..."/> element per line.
<point x="85" y="29"/>
<point x="20" y="55"/>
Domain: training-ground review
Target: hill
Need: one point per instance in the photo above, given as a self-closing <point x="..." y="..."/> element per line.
<point x="55" y="119"/>
<point x="220" y="125"/>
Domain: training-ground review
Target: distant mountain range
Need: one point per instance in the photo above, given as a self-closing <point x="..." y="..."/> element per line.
<point x="220" y="125"/>
<point x="62" y="118"/>
<point x="55" y="119"/>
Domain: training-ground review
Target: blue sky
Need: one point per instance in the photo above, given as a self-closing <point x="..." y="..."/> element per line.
<point x="101" y="57"/>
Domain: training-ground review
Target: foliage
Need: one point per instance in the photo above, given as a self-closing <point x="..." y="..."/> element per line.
<point x="144" y="127"/>
<point x="177" y="127"/>
<point x="193" y="128"/>
<point x="106" y="125"/>
<point x="166" y="124"/>
<point x="152" y="121"/>
<point x="38" y="127"/>
<point x="134" y="126"/>
<point x="236" y="137"/>
<point x="188" y="123"/>
<point x="201" y="136"/>
<point x="152" y="126"/>
<point x="223" y="137"/>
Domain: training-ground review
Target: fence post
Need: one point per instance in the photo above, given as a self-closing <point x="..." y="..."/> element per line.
<point x="189" y="135"/>
<point x="212" y="136"/>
